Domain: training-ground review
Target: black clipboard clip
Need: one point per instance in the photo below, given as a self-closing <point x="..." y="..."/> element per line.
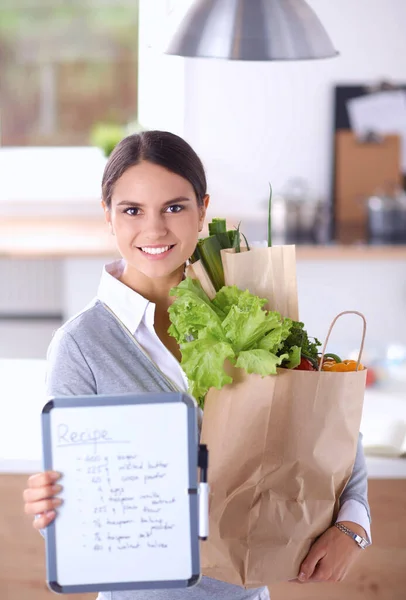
<point x="203" y="464"/>
<point x="371" y="137"/>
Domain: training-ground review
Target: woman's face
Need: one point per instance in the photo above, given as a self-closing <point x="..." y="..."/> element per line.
<point x="156" y="219"/>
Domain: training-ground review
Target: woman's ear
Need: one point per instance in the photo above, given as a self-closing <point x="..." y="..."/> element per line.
<point x="107" y="216"/>
<point x="203" y="211"/>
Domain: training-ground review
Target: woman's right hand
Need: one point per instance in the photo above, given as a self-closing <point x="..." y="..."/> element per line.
<point x="39" y="497"/>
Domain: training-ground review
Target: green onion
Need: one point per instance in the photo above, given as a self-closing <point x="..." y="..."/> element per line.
<point x="237" y="239"/>
<point x="246" y="242"/>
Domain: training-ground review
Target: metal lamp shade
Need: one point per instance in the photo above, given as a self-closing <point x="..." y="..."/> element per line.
<point x="256" y="30"/>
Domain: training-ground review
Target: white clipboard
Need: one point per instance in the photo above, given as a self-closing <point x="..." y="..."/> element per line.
<point x="131" y="498"/>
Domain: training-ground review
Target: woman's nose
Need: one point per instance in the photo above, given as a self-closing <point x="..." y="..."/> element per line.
<point x="155" y="227"/>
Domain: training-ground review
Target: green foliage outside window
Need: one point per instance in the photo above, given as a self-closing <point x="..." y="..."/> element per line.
<point x="66" y="66"/>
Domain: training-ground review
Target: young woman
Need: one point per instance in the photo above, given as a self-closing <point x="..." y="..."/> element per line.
<point x="155" y="200"/>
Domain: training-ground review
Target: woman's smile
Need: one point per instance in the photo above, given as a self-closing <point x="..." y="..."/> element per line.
<point x="156" y="252"/>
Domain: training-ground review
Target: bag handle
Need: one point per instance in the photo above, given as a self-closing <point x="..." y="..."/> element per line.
<point x="346" y="312"/>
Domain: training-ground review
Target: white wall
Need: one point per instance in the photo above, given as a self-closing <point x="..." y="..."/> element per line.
<point x="161" y="78"/>
<point x="255" y="122"/>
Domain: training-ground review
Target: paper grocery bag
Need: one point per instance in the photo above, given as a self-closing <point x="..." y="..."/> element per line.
<point x="281" y="451"/>
<point x="266" y="272"/>
<point x="197" y="271"/>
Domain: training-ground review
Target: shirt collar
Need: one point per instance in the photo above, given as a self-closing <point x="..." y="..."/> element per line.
<point x="129" y="306"/>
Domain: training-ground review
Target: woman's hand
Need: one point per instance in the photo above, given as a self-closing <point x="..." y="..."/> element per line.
<point x="39" y="497"/>
<point x="331" y="556"/>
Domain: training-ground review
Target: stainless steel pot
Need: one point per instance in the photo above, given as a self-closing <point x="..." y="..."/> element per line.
<point x="387" y="219"/>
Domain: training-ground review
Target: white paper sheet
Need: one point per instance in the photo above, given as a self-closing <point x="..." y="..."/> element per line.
<point x="381" y="112"/>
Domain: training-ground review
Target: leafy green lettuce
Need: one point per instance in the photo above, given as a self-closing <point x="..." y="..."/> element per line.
<point x="193" y="316"/>
<point x="259" y="361"/>
<point x="247" y="323"/>
<point x="233" y="326"/>
<point x="203" y="361"/>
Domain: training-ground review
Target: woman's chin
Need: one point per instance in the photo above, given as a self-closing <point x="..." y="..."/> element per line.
<point x="154" y="269"/>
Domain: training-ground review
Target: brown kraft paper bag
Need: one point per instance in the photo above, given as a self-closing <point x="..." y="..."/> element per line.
<point x="268" y="273"/>
<point x="281" y="451"/>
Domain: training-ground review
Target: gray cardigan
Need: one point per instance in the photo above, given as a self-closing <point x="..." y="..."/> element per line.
<point x="93" y="354"/>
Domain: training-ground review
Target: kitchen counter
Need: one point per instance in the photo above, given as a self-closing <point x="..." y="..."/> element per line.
<point x="385" y="468"/>
<point x="88" y="236"/>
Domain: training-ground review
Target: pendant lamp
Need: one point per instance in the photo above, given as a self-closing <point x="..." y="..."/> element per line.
<point x="255" y="30"/>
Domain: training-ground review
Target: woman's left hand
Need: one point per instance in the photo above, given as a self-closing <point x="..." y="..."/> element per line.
<point x="331" y="556"/>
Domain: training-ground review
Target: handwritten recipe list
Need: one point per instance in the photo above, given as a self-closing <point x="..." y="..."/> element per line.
<point x="125" y="506"/>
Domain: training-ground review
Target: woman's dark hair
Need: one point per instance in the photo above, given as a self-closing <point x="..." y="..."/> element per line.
<point x="160" y="148"/>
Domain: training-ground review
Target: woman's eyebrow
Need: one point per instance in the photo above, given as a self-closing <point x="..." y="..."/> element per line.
<point x="167" y="203"/>
<point x="178" y="199"/>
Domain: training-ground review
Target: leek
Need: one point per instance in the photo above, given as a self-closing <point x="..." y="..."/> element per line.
<point x="208" y="250"/>
<point x="217" y="226"/>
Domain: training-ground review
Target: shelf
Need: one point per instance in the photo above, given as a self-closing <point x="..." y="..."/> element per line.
<point x="352" y="252"/>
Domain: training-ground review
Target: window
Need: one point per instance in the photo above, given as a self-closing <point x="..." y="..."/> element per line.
<point x="66" y="65"/>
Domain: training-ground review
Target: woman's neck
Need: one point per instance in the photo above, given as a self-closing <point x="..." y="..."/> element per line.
<point x="155" y="290"/>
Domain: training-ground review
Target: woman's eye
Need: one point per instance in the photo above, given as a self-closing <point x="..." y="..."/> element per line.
<point x="132" y="211"/>
<point x="175" y="208"/>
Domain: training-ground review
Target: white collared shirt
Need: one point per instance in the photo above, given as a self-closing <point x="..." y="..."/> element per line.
<point x="137" y="314"/>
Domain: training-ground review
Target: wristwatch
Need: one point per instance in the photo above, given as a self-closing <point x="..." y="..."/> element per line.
<point x="361" y="541"/>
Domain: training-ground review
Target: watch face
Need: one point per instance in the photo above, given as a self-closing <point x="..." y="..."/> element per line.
<point x="362" y="542"/>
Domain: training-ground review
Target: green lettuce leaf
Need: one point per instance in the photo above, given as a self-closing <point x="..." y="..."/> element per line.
<point x="203" y="363"/>
<point x="247" y="322"/>
<point x="192" y="287"/>
<point x="294" y="357"/>
<point x="274" y="340"/>
<point x="259" y="361"/>
<point x="192" y="317"/>
<point x="227" y="297"/>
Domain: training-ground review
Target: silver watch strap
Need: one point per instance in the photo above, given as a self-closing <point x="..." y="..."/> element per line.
<point x="361" y="541"/>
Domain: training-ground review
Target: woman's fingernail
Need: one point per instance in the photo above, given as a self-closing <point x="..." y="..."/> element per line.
<point x="55" y="475"/>
<point x="50" y="513"/>
<point x="57" y="501"/>
<point x="57" y="488"/>
<point x="302" y="576"/>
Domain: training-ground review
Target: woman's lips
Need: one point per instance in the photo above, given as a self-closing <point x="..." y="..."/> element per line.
<point x="156" y="256"/>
